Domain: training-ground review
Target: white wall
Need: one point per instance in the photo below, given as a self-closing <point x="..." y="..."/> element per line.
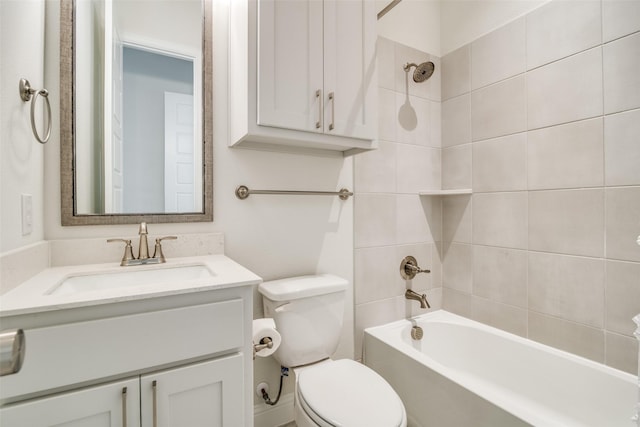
<point x="21" y="158"/>
<point x="462" y="21"/>
<point x="414" y="23"/>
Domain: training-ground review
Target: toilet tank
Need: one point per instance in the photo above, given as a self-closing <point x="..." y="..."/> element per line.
<point x="308" y="313"/>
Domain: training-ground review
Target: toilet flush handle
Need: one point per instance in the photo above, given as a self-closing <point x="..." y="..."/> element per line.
<point x="281" y="308"/>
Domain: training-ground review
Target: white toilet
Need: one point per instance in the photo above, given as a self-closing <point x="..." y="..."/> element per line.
<point x="308" y="313"/>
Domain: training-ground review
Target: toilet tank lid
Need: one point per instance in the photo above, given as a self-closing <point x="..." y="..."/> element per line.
<point x="302" y="287"/>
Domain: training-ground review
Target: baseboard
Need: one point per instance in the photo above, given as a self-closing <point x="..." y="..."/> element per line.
<point x="273" y="416"/>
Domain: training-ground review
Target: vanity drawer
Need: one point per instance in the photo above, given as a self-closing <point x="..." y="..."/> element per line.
<point x="63" y="355"/>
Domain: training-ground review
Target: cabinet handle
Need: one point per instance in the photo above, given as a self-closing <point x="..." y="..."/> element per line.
<point x="319" y="100"/>
<point x="332" y="98"/>
<point x="124" y="407"/>
<point x="154" y="384"/>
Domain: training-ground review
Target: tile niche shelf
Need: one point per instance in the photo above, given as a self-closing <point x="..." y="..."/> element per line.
<point x="456" y="192"/>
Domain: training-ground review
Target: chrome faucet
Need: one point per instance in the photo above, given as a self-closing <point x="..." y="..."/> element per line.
<point x="409" y="294"/>
<point x="143" y="249"/>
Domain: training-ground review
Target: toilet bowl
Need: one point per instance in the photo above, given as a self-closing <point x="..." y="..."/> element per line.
<point x="308" y="313"/>
<point x="345" y="393"/>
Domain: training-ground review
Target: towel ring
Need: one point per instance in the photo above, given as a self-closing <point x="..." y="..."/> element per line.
<point x="26" y="94"/>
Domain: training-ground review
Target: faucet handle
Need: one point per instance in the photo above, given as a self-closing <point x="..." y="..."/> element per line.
<point x="157" y="252"/>
<point x="128" y="250"/>
<point x="409" y="268"/>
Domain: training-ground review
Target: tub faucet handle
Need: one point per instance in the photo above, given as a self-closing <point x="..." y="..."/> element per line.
<point x="409" y="268"/>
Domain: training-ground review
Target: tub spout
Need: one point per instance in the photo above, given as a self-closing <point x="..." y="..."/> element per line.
<point x="409" y="294"/>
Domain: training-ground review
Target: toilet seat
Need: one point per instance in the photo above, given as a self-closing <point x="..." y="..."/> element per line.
<point x="347" y="393"/>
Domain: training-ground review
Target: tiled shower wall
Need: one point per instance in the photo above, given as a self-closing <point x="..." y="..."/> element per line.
<point x="541" y="118"/>
<point x="391" y="220"/>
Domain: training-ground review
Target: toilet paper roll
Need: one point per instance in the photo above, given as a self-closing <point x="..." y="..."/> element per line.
<point x="266" y="328"/>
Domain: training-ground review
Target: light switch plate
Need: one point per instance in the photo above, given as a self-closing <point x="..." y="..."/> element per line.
<point x="27" y="214"/>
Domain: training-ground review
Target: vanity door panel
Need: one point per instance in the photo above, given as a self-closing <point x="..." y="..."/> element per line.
<point x="101" y="406"/>
<point x="204" y="394"/>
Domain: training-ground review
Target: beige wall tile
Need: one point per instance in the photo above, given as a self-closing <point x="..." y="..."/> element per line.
<point x="387" y="115"/>
<point x="456" y="72"/>
<point x="414" y="120"/>
<point x="622" y="149"/>
<point x="419" y="219"/>
<point x="568" y="287"/>
<point x="562" y="28"/>
<point x="622" y="353"/>
<point x="623" y="223"/>
<point x="566" y="156"/>
<point x="623" y="296"/>
<point x="375" y="170"/>
<point x="499" y="109"/>
<point x="385" y="61"/>
<point x="500" y="275"/>
<point x="456" y="167"/>
<point x="456" y="219"/>
<point x="418" y="168"/>
<point x="457" y="302"/>
<point x="567" y="222"/>
<point x="572" y="337"/>
<point x="458" y="267"/>
<point x="500" y="164"/>
<point x="456" y="121"/>
<point x="621" y="76"/>
<point x="499" y="55"/>
<point x="566" y="90"/>
<point x="502" y="316"/>
<point x="500" y="219"/>
<point x="376" y="275"/>
<point x="374" y="220"/>
<point x="619" y="18"/>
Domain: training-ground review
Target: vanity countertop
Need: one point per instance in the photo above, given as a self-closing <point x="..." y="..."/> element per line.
<point x="39" y="294"/>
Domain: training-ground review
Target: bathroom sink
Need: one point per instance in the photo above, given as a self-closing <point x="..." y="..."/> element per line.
<point x="127" y="278"/>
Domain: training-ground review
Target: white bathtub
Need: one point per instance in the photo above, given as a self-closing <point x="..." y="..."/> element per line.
<point x="464" y="373"/>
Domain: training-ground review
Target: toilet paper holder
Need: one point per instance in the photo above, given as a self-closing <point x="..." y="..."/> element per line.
<point x="265" y="342"/>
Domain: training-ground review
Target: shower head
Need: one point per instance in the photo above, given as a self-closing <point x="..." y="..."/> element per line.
<point x="422" y="71"/>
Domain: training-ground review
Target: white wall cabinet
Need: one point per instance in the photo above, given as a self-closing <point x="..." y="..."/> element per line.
<point x="302" y="73"/>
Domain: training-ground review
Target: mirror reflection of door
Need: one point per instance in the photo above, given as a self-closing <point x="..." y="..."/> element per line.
<point x="179" y="169"/>
<point x="148" y="75"/>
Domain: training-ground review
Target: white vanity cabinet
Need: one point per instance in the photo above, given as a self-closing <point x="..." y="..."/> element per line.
<point x="302" y="73"/>
<point x="202" y="394"/>
<point x="184" y="359"/>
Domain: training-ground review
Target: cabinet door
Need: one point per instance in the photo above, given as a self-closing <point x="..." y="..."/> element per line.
<point x="102" y="406"/>
<point x="208" y="394"/>
<point x="290" y="64"/>
<point x="349" y="68"/>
